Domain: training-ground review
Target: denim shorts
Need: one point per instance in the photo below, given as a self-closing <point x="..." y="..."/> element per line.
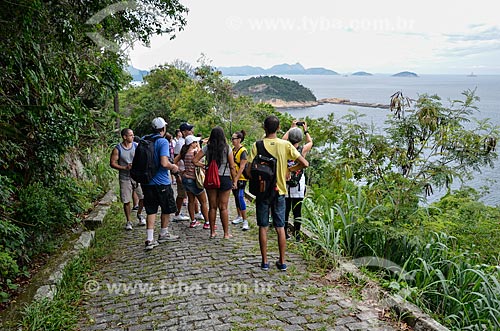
<point x="277" y="208"/>
<point x="190" y="186"/>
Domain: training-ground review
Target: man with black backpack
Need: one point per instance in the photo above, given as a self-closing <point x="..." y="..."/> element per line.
<point x="157" y="189"/>
<point x="268" y="171"/>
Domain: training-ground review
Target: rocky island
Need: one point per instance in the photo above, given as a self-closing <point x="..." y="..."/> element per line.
<point x="285" y="93"/>
<point x="405" y="74"/>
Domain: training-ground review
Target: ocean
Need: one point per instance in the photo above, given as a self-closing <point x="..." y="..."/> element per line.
<point x="379" y="88"/>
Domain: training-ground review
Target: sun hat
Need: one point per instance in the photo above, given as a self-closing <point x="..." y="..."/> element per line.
<point x="295" y="135"/>
<point x="158" y="123"/>
<point x="191" y="139"/>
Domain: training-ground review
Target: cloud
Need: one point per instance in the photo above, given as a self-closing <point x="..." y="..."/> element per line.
<point x="479" y="33"/>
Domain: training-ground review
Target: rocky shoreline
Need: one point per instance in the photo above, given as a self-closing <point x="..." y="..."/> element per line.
<point x="281" y="104"/>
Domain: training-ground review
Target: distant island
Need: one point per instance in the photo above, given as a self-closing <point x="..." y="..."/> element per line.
<point x="280" y="69"/>
<point x="264" y="88"/>
<point x="286" y="93"/>
<point x="405" y="74"/>
<point x="361" y="73"/>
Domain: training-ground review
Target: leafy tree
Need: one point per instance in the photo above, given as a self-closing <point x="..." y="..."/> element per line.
<point x="273" y="87"/>
<point x="56" y="97"/>
<point x="426" y="146"/>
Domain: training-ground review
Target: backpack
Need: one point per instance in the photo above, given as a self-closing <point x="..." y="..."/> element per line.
<point x="295" y="176"/>
<point x="144" y="167"/>
<point x="212" y="180"/>
<point x="263" y="174"/>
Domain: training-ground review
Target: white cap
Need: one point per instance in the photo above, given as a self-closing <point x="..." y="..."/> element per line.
<point x="191" y="139"/>
<point x="158" y="123"/>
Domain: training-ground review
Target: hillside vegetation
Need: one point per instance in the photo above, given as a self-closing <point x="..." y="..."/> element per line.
<point x="273" y="87"/>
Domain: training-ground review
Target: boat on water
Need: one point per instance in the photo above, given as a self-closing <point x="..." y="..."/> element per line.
<point x="471" y="75"/>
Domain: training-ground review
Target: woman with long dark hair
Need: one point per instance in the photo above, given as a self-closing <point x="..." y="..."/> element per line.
<point x="217" y="149"/>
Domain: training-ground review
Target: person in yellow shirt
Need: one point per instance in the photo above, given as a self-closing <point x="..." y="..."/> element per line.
<point x="282" y="151"/>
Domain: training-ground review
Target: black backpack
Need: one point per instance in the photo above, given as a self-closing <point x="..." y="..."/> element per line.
<point x="144" y="167"/>
<point x="262" y="182"/>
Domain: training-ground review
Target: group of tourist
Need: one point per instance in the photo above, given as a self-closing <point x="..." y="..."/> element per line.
<point x="177" y="158"/>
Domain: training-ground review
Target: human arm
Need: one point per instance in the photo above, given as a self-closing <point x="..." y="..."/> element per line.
<point x="309" y="141"/>
<point x="300" y="163"/>
<point x="294" y="125"/>
<point x="164" y="154"/>
<point x="197" y="158"/>
<point x="243" y="163"/>
<point x="230" y="160"/>
<point x="113" y="161"/>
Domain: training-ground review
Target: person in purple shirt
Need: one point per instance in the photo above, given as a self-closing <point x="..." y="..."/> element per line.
<point x="159" y="191"/>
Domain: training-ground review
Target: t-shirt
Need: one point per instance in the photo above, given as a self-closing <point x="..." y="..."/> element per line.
<point x="178" y="145"/>
<point x="283" y="151"/>
<point x="224" y="169"/>
<point x="162" y="148"/>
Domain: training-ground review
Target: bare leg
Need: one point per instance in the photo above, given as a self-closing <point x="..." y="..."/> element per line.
<point x="126" y="210"/>
<point x="224" y="216"/>
<point x="212" y="211"/>
<point x="191" y="205"/>
<point x="165" y="220"/>
<point x="281" y="243"/>
<point x="202" y="198"/>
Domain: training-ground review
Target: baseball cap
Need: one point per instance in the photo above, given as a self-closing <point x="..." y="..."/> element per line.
<point x="191" y="139"/>
<point x="158" y="123"/>
<point x="186" y="126"/>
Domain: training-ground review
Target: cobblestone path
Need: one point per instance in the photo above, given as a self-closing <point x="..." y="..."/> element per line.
<point x="199" y="283"/>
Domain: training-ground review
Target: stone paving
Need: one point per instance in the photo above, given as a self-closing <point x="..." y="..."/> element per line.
<point x="199" y="283"/>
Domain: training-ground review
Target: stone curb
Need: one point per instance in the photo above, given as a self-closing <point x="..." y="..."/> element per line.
<point x="409" y="312"/>
<point x="86" y="238"/>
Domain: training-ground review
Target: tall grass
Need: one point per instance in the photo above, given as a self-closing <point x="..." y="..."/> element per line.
<point x="449" y="284"/>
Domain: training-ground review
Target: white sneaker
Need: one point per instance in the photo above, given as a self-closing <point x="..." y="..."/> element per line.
<point x="150" y="245"/>
<point x="180" y="217"/>
<point x="142" y="220"/>
<point x="237" y="220"/>
<point x="245" y="225"/>
<point x="167" y="237"/>
<point x="128" y="226"/>
<point x="199" y="216"/>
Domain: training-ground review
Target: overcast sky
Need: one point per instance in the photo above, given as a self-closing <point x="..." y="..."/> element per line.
<point x="384" y="36"/>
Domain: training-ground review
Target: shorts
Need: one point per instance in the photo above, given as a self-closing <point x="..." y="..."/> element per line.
<point x="159" y="195"/>
<point x="181" y="192"/>
<point x="127" y="186"/>
<point x="190" y="186"/>
<point x="277" y="207"/>
<point x="225" y="183"/>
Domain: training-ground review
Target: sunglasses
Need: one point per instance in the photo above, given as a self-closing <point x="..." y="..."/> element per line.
<point x="234" y="138"/>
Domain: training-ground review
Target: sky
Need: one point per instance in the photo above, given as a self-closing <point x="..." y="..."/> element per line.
<point x="384" y="36"/>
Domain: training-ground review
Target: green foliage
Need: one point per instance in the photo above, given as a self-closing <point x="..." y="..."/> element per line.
<point x="425" y="147"/>
<point x="473" y="224"/>
<point x="62" y="313"/>
<point x="273" y="87"/>
<point x="56" y="95"/>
